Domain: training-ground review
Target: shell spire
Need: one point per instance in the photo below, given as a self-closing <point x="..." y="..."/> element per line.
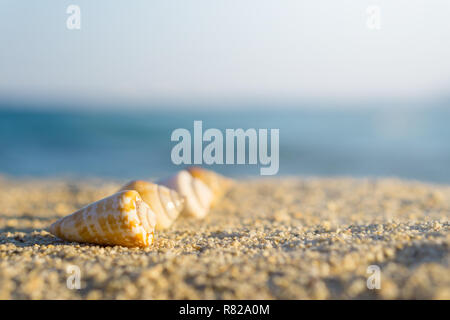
<point x="164" y="202"/>
<point x="218" y="184"/>
<point x="121" y="219"/>
<point x="198" y="196"/>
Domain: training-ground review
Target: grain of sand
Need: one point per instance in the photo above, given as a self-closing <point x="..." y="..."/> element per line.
<point x="287" y="238"/>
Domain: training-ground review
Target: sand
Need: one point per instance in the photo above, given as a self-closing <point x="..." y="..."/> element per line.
<point x="288" y="238"/>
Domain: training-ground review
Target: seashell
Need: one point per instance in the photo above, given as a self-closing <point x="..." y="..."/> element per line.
<point x="164" y="202"/>
<point x="121" y="219"/>
<point x="218" y="184"/>
<point x="198" y="197"/>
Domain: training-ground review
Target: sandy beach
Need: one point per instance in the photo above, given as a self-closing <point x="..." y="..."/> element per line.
<point x="286" y="238"/>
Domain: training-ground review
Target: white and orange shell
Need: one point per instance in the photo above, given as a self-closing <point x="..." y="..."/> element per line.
<point x="198" y="197"/>
<point x="164" y="202"/>
<point x="218" y="184"/>
<point x="122" y="219"/>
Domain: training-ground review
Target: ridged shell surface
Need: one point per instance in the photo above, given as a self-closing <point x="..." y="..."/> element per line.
<point x="197" y="195"/>
<point x="218" y="184"/>
<point x="164" y="202"/>
<point x="121" y="219"/>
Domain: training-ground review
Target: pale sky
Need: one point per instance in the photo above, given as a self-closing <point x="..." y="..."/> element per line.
<point x="189" y="50"/>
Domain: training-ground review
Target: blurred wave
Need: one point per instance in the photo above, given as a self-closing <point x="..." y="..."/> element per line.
<point x="407" y="143"/>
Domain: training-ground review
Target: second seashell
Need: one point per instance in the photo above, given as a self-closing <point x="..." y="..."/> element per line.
<point x="122" y="219"/>
<point x="218" y="183"/>
<point x="164" y="202"/>
<point x="198" y="196"/>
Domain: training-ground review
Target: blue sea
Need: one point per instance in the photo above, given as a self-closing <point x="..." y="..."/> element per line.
<point x="411" y="143"/>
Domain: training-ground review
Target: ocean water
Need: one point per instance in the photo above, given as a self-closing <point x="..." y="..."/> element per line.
<point x="406" y="143"/>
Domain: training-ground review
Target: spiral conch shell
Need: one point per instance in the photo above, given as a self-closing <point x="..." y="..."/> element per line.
<point x="218" y="184"/>
<point x="121" y="219"/>
<point x="165" y="203"/>
<point x="198" y="196"/>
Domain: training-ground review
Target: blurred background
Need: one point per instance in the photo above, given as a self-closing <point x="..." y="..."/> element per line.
<point x="348" y="98"/>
